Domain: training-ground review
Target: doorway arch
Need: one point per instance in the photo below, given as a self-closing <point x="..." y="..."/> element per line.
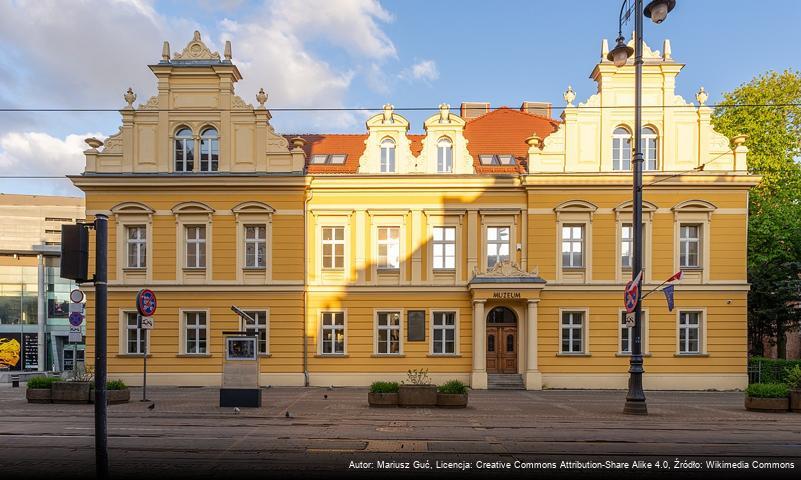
<point x="501" y="340"/>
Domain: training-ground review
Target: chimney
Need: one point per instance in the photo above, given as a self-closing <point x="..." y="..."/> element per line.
<point x="472" y="110"/>
<point x="537" y="108"/>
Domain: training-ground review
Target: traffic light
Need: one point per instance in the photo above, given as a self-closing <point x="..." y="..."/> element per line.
<point x="75" y="252"/>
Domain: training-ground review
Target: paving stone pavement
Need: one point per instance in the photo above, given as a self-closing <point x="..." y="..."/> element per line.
<point x="188" y="435"/>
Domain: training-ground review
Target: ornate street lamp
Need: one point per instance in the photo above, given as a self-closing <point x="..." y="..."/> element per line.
<point x="657" y="11"/>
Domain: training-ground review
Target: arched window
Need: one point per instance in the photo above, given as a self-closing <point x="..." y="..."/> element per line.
<point x="621" y="149"/>
<point x="444" y="156"/>
<point x="501" y="315"/>
<point x="209" y="150"/>
<point x="184" y="150"/>
<point x="649" y="148"/>
<point x="387" y="156"/>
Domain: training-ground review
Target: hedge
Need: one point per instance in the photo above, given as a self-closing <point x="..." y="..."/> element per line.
<point x="771" y="370"/>
<point x="384" y="387"/>
<point x="767" y="390"/>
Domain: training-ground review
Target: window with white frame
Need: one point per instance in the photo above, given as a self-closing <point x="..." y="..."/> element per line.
<point x="255" y="246"/>
<point x="621" y="149"/>
<point x="388" y="326"/>
<point x="443" y="337"/>
<point x="136" y="244"/>
<point x="388" y="247"/>
<point x="689" y="332"/>
<point x="689" y="245"/>
<point x="332" y="336"/>
<point x="195" y="332"/>
<point x="134" y="337"/>
<point x="572" y="246"/>
<point x="333" y="248"/>
<point x="209" y="150"/>
<point x="195" y="246"/>
<point x="626" y="333"/>
<point x="498" y="239"/>
<point x="387" y="156"/>
<point x="258" y="328"/>
<point x="444" y="156"/>
<point x="444" y="246"/>
<point x="649" y="151"/>
<point x="572" y="332"/>
<point x="184" y="150"/>
<point x="626" y="245"/>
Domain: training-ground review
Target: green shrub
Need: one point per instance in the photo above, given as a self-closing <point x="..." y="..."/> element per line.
<point x="792" y="377"/>
<point x="770" y="370"/>
<point x="40" y="381"/>
<point x="384" y="387"/>
<point x="767" y="390"/>
<point x="453" y="386"/>
<point x="116" y="385"/>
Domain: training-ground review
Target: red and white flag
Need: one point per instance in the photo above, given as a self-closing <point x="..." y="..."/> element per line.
<point x="675" y="278"/>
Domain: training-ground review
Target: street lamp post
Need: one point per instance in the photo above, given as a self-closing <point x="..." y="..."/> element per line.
<point x="657" y="10"/>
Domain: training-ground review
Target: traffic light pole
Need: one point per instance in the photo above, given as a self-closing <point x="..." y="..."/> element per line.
<point x="101" y="303"/>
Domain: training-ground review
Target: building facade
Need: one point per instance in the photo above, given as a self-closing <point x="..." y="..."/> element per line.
<point x="495" y="243"/>
<point x="34" y="330"/>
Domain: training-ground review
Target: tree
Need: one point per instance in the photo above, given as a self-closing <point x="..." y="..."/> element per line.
<point x="768" y="110"/>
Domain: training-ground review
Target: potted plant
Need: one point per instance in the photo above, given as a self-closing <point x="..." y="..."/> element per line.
<point x="383" y="394"/>
<point x="767" y="397"/>
<point x="419" y="391"/>
<point x="76" y="389"/>
<point x="793" y="379"/>
<point x="116" y="392"/>
<point x="452" y="394"/>
<point x="39" y="389"/>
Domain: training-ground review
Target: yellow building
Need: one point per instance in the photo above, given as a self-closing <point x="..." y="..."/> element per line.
<point x="491" y="249"/>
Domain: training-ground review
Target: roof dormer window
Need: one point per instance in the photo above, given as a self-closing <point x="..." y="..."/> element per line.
<point x="504" y="159"/>
<point x="387" y="156"/>
<point x="328" y="159"/>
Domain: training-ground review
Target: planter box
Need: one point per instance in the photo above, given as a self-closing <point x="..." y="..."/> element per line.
<point x="757" y="404"/>
<point x="795" y="400"/>
<point x="452" y="400"/>
<point x="113" y="397"/>
<point x="38" y="395"/>
<point x="71" y="392"/>
<point x="417" y="396"/>
<point x="382" y="399"/>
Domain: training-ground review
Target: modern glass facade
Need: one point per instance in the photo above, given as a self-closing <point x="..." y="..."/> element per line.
<point x="19" y="291"/>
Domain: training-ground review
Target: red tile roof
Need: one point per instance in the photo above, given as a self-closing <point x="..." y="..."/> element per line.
<point x="501" y="131"/>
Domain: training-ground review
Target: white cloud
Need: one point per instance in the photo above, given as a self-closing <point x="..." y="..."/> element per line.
<point x="425" y="70"/>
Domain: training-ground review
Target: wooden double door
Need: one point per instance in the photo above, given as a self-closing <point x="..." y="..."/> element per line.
<point x="501" y="348"/>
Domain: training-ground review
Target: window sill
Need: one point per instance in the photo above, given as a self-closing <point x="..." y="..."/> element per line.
<point x="194" y="269"/>
<point x="573" y="354"/>
<point x="626" y="355"/>
<point x="332" y="270"/>
<point x="388" y="270"/>
<point x="444" y="270"/>
<point x="331" y="355"/>
<point x="134" y="269"/>
<point x="444" y="355"/>
<point x="254" y="269"/>
<point x="691" y="269"/>
<point x="573" y="269"/>
<point x="194" y="355"/>
<point x="133" y="355"/>
<point x="388" y="355"/>
<point x="679" y="355"/>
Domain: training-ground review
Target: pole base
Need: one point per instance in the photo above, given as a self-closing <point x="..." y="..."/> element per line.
<point x="634" y="407"/>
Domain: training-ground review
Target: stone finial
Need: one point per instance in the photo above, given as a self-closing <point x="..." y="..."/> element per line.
<point x="196" y="50"/>
<point x="444" y="112"/>
<point x="701" y="96"/>
<point x="534" y="141"/>
<point x="604" y="50"/>
<point x="93" y="142"/>
<point x="261" y="97"/>
<point x="739" y="140"/>
<point x="227" y="50"/>
<point x="666" y="50"/>
<point x="388" y="108"/>
<point x="569" y="95"/>
<point x="297" y="142"/>
<point x="165" y="52"/>
<point x="129" y="97"/>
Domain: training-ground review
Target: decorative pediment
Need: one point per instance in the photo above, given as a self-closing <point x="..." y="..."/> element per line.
<point x="253" y="207"/>
<point x="191" y="207"/>
<point x="576" y="206"/>
<point x="196" y="50"/>
<point x="627" y="207"/>
<point x="506" y="271"/>
<point x="694" y="206"/>
<point x="131" y="208"/>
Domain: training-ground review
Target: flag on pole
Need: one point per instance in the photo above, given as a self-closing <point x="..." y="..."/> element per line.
<point x="636" y="280"/>
<point x="668" y="291"/>
<point x="676" y="277"/>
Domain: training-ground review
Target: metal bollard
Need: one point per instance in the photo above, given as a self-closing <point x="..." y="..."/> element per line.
<point x="15" y="381"/>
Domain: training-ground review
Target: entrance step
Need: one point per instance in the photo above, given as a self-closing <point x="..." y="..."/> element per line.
<point x="505" y="381"/>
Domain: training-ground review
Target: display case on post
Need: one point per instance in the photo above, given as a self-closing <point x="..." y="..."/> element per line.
<point x="240" y="379"/>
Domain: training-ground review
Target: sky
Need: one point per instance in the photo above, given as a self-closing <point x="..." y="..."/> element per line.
<point x="345" y="53"/>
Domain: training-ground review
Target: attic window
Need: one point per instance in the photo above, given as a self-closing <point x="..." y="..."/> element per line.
<point x="496" y="159"/>
<point x="332" y="159"/>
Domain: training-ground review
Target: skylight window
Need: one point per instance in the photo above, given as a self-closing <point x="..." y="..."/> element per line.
<point x="330" y="159"/>
<point x="496" y="159"/>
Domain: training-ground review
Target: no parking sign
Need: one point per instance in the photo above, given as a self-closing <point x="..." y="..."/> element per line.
<point x="631" y="294"/>
<point x="146" y="302"/>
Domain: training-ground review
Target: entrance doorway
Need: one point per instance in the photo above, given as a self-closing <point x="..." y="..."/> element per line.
<point x="501" y="341"/>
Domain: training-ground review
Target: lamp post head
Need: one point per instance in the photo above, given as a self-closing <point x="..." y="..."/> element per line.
<point x="657" y="10"/>
<point x="621" y="53"/>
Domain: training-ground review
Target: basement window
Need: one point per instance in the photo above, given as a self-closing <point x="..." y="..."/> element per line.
<point x="496" y="159"/>
<point x="335" y="159"/>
